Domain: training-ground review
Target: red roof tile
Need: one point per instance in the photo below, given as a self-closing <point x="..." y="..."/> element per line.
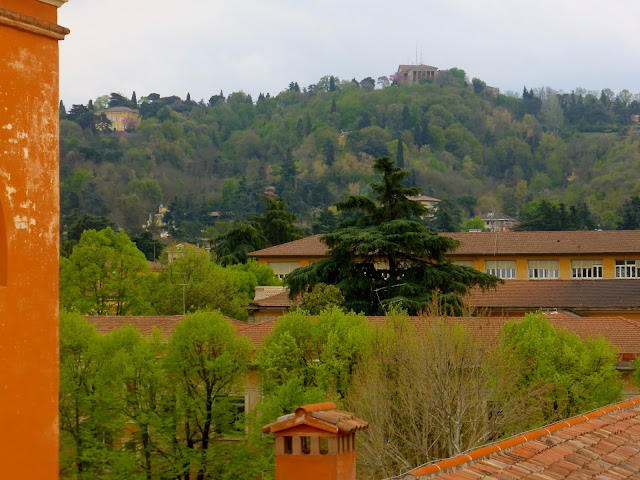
<point x="623" y="334"/>
<point x="280" y="300"/>
<point x="322" y="416"/>
<point x="305" y="247"/>
<point x="500" y="243"/>
<point x="564" y="294"/>
<point x="547" y="243"/>
<point x="604" y="443"/>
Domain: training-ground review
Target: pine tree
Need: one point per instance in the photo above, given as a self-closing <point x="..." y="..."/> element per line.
<point x="387" y="256"/>
<point x="329" y="152"/>
<point x="134" y="100"/>
<point x="188" y="97"/>
<point x="332" y="84"/>
<point x="400" y="154"/>
<point x="62" y="110"/>
<point x="308" y="125"/>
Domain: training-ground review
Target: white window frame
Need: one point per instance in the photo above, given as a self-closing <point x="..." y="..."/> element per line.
<point x="505" y="269"/>
<point x="543" y="269"/>
<point x="627" y="268"/>
<point x="586" y="268"/>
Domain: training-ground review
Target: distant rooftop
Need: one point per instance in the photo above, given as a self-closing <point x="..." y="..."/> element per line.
<point x="499" y="243"/>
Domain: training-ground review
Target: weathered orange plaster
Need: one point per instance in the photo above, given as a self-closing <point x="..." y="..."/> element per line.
<point x="28" y="247"/>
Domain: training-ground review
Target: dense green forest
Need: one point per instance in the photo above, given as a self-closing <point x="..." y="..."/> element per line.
<point x="316" y="145"/>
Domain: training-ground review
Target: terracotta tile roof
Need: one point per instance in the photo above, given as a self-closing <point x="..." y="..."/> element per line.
<point x="280" y="300"/>
<point x="321" y="416"/>
<point x="547" y="243"/>
<point x="257" y="332"/>
<point x="500" y="243"/>
<point x="145" y="324"/>
<point x="607" y="294"/>
<point x="306" y="247"/>
<point x="603" y="444"/>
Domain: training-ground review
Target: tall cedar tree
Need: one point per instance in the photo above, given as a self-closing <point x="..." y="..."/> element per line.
<point x="386" y="256"/>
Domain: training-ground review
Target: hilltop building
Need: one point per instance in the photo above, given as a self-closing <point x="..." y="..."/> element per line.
<point x="409" y="74"/>
<point x="123" y="119"/>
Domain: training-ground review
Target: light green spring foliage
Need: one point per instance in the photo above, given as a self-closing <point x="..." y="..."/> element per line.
<point x="310" y="359"/>
<point x="251" y="274"/>
<point x="207" y="286"/>
<point x="322" y="296"/>
<point x="105" y="274"/>
<point x="577" y="376"/>
<point x="205" y="363"/>
<point x="169" y="401"/>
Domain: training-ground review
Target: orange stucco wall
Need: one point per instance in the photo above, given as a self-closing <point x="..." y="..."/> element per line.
<point x="28" y="244"/>
<point x="564" y="263"/>
<point x="316" y="467"/>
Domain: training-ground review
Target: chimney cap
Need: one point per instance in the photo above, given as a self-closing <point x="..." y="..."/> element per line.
<point x="321" y="416"/>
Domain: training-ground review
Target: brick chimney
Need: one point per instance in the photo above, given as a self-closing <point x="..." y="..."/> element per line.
<point x="317" y="442"/>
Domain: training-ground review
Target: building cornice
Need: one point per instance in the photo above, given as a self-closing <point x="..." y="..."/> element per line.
<point x="33" y="25"/>
<point x="55" y="3"/>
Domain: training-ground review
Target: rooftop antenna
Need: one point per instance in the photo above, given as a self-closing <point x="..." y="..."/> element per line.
<point x="421" y="61"/>
<point x="416" y="52"/>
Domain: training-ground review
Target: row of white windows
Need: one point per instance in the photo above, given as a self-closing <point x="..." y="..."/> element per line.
<point x="537" y="269"/>
<point x="549" y="269"/>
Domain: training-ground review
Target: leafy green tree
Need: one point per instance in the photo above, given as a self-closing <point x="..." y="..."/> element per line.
<point x="205" y="362"/>
<point x="119" y="100"/>
<point x="138" y="383"/>
<point x="252" y="274"/>
<point x="89" y="416"/>
<point x="277" y="224"/>
<point x="81" y="115"/>
<point x="478" y="86"/>
<point x="146" y="244"/>
<point x="576" y="376"/>
<point x="194" y="282"/>
<point x="87" y="222"/>
<point x="387" y="256"/>
<point x="105" y="274"/>
<point x="320" y="298"/>
<point x="545" y="215"/>
<point x="475" y="223"/>
<point x="447" y="217"/>
<point x="630" y="214"/>
<point x="307" y="359"/>
<point x="233" y="246"/>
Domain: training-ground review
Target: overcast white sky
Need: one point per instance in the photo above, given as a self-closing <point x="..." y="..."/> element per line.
<point x="203" y="46"/>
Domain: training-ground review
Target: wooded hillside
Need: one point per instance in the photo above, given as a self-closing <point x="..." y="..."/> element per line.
<point x="317" y="144"/>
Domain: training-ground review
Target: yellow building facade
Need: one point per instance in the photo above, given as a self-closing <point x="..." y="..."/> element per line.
<point x="123" y="119"/>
